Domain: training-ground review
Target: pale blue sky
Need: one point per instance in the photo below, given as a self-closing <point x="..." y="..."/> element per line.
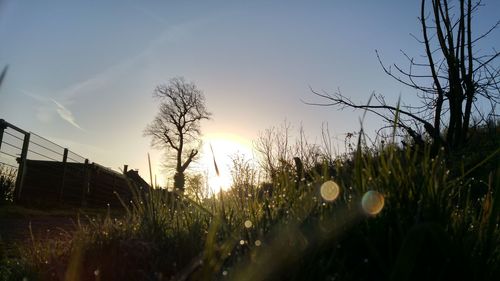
<point x="82" y="72"/>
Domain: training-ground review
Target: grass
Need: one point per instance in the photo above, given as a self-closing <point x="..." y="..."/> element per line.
<point x="17" y="211"/>
<point x="437" y="223"/>
<point x="7" y="181"/>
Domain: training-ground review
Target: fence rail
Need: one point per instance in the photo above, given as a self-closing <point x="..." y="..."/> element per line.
<point x="50" y="172"/>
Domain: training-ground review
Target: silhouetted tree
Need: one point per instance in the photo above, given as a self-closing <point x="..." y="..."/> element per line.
<point x="176" y="128"/>
<point x="457" y="83"/>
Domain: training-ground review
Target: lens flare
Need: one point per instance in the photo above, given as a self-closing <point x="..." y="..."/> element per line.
<point x="329" y="190"/>
<point x="372" y="202"/>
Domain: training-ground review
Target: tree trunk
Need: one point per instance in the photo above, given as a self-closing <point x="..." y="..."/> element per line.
<point x="179" y="181"/>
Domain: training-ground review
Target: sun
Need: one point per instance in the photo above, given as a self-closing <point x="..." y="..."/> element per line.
<point x="224" y="147"/>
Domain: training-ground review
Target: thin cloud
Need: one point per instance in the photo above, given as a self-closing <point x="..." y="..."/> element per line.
<point x="34" y="96"/>
<point x="149" y="14"/>
<point x="93" y="84"/>
<point x="66" y="114"/>
<point x="44" y="111"/>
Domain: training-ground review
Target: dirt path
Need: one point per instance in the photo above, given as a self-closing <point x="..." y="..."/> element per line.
<point x="18" y="229"/>
<point x="18" y="224"/>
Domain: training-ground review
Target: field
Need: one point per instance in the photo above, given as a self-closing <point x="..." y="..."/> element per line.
<point x="408" y="188"/>
<point x="378" y="213"/>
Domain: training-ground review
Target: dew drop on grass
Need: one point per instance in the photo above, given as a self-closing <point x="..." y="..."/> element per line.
<point x="372" y="202"/>
<point x="248" y="224"/>
<point x="258" y="243"/>
<point x="224" y="272"/>
<point x="242" y="242"/>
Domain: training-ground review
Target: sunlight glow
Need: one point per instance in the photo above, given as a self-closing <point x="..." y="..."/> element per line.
<point x="160" y="179"/>
<point x="225" y="147"/>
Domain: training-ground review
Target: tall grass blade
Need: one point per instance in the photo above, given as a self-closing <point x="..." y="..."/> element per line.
<point x="4" y="73"/>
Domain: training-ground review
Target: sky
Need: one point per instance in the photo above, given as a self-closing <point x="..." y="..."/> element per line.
<point x="82" y="73"/>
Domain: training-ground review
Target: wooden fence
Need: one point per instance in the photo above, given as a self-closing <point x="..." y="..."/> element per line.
<point x="50" y="175"/>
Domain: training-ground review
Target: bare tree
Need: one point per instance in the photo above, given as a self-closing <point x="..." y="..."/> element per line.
<point x="176" y="128"/>
<point x="274" y="146"/>
<point x="196" y="188"/>
<point x="457" y="83"/>
<point x="278" y="150"/>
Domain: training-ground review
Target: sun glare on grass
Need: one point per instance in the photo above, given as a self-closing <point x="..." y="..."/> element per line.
<point x="224" y="147"/>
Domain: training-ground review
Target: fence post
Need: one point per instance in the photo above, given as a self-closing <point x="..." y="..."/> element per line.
<point x="3" y="126"/>
<point x="22" y="166"/>
<point x="86" y="176"/>
<point x="64" y="161"/>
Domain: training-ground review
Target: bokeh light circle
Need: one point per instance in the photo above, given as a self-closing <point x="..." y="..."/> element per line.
<point x="329" y="190"/>
<point x="248" y="223"/>
<point x="372" y="202"/>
